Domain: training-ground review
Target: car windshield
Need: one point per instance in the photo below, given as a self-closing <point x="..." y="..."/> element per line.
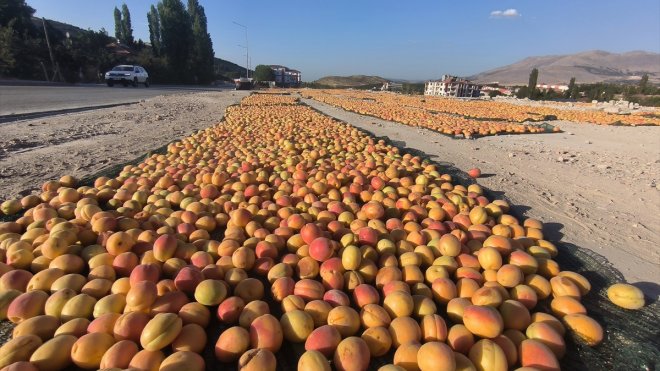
<point x="123" y="68"/>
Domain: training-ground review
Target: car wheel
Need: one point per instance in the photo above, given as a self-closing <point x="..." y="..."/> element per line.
<point x="135" y="82"/>
<point x="110" y="83"/>
<point x="146" y="83"/>
<point x="125" y="83"/>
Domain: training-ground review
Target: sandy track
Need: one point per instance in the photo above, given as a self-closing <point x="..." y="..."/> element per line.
<point x="597" y="187"/>
<point x="80" y="144"/>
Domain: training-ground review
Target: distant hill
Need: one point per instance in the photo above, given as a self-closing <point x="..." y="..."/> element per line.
<point x="354" y="81"/>
<point x="587" y="67"/>
<point x="229" y="70"/>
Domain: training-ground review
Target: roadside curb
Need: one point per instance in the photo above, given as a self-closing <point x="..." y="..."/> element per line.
<point x="34" y="115"/>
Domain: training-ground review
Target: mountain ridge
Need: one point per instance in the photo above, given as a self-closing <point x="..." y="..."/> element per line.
<point x="587" y="67"/>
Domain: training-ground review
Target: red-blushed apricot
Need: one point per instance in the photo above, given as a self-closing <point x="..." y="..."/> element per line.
<point x="266" y="332"/>
<point x="365" y="294"/>
<point x="406" y="356"/>
<point x="525" y="295"/>
<point x="129" y="326"/>
<point x="183" y="360"/>
<point x="563" y="286"/>
<point x="147" y="360"/>
<point x="231" y="344"/>
<point x="54" y="354"/>
<point x="89" y="349"/>
<point x="584" y="327"/>
<point x="404" y="330"/>
<point x="251" y="311"/>
<point x="230" y="309"/>
<point x="435" y="355"/>
<point x="104" y="323"/>
<point x="534" y="354"/>
<point x="460" y="339"/>
<point x="487" y="355"/>
<point x="336" y="297"/>
<point x="323" y="339"/>
<point x="345" y="319"/>
<point x="483" y="321"/>
<point x="27" y="305"/>
<point x="20" y="349"/>
<point x="257" y="360"/>
<point x="313" y="360"/>
<point x="378" y="340"/>
<point x="119" y="355"/>
<point x="282" y="287"/>
<point x="487" y="296"/>
<point x="309" y="289"/>
<point x="352" y="354"/>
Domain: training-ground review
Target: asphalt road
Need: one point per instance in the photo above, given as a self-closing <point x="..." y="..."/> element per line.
<point x="30" y="99"/>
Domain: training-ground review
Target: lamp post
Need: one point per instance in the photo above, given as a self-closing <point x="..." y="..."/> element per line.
<point x="247" y="50"/>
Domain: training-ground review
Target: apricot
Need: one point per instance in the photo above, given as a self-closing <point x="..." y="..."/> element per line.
<point x="584" y="327"/>
<point x="626" y="296"/>
<point x="43" y="326"/>
<point x="231" y="344"/>
<point x="297" y="325"/>
<point x="119" y="355"/>
<point x="399" y="304"/>
<point x="460" y="339"/>
<point x="515" y="315"/>
<point x="534" y="354"/>
<point x="27" y="305"/>
<point x="345" y="319"/>
<point x="89" y="349"/>
<point x="192" y="338"/>
<point x="210" y="292"/>
<point x="6" y="297"/>
<point x="266" y="332"/>
<point x="160" y="331"/>
<point x="257" y="360"/>
<point x="483" y="321"/>
<point x="378" y="340"/>
<point x="147" y="360"/>
<point x="19" y="349"/>
<point x="564" y="305"/>
<point x="180" y="360"/>
<point x="313" y="360"/>
<point x="433" y="328"/>
<point x="456" y="308"/>
<point x="432" y="355"/>
<point x="54" y="354"/>
<point x="373" y="315"/>
<point x="323" y="339"/>
<point x="251" y="311"/>
<point x="485" y="354"/>
<point x="404" y="330"/>
<point x="319" y="310"/>
<point x="76" y="327"/>
<point x="406" y="356"/>
<point x="548" y="336"/>
<point x="352" y="354"/>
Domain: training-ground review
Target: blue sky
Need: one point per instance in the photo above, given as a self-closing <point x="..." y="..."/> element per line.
<point x="397" y="39"/>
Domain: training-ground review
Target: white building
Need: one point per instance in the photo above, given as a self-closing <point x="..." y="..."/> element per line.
<point x="557" y="88"/>
<point x="392" y="86"/>
<point x="452" y="86"/>
<point x="285" y="76"/>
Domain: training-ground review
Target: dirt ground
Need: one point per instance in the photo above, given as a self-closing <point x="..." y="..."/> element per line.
<point x="597" y="187"/>
<point x="79" y="144"/>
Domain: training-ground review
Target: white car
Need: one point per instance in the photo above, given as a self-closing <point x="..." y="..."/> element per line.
<point x="127" y="74"/>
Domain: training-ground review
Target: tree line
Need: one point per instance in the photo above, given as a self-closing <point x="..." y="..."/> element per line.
<point x="180" y="50"/>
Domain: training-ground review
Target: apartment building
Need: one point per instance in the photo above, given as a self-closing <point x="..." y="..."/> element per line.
<point x="452" y="86"/>
<point x="285" y="76"/>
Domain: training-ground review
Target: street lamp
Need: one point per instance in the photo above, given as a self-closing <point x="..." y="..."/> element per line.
<point x="247" y="49"/>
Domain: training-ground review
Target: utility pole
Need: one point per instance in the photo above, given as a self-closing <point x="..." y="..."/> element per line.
<point x="247" y="50"/>
<point x="50" y="51"/>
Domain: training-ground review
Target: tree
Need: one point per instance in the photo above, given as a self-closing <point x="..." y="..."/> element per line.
<point x="264" y="73"/>
<point x="119" y="32"/>
<point x="202" y="48"/>
<point x="643" y="83"/>
<point x="571" y="85"/>
<point x="533" y="77"/>
<point x="494" y="93"/>
<point x="523" y="92"/>
<point x="154" y="30"/>
<point x="575" y="92"/>
<point x="21" y="15"/>
<point x="126" y="27"/>
<point x="176" y="37"/>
